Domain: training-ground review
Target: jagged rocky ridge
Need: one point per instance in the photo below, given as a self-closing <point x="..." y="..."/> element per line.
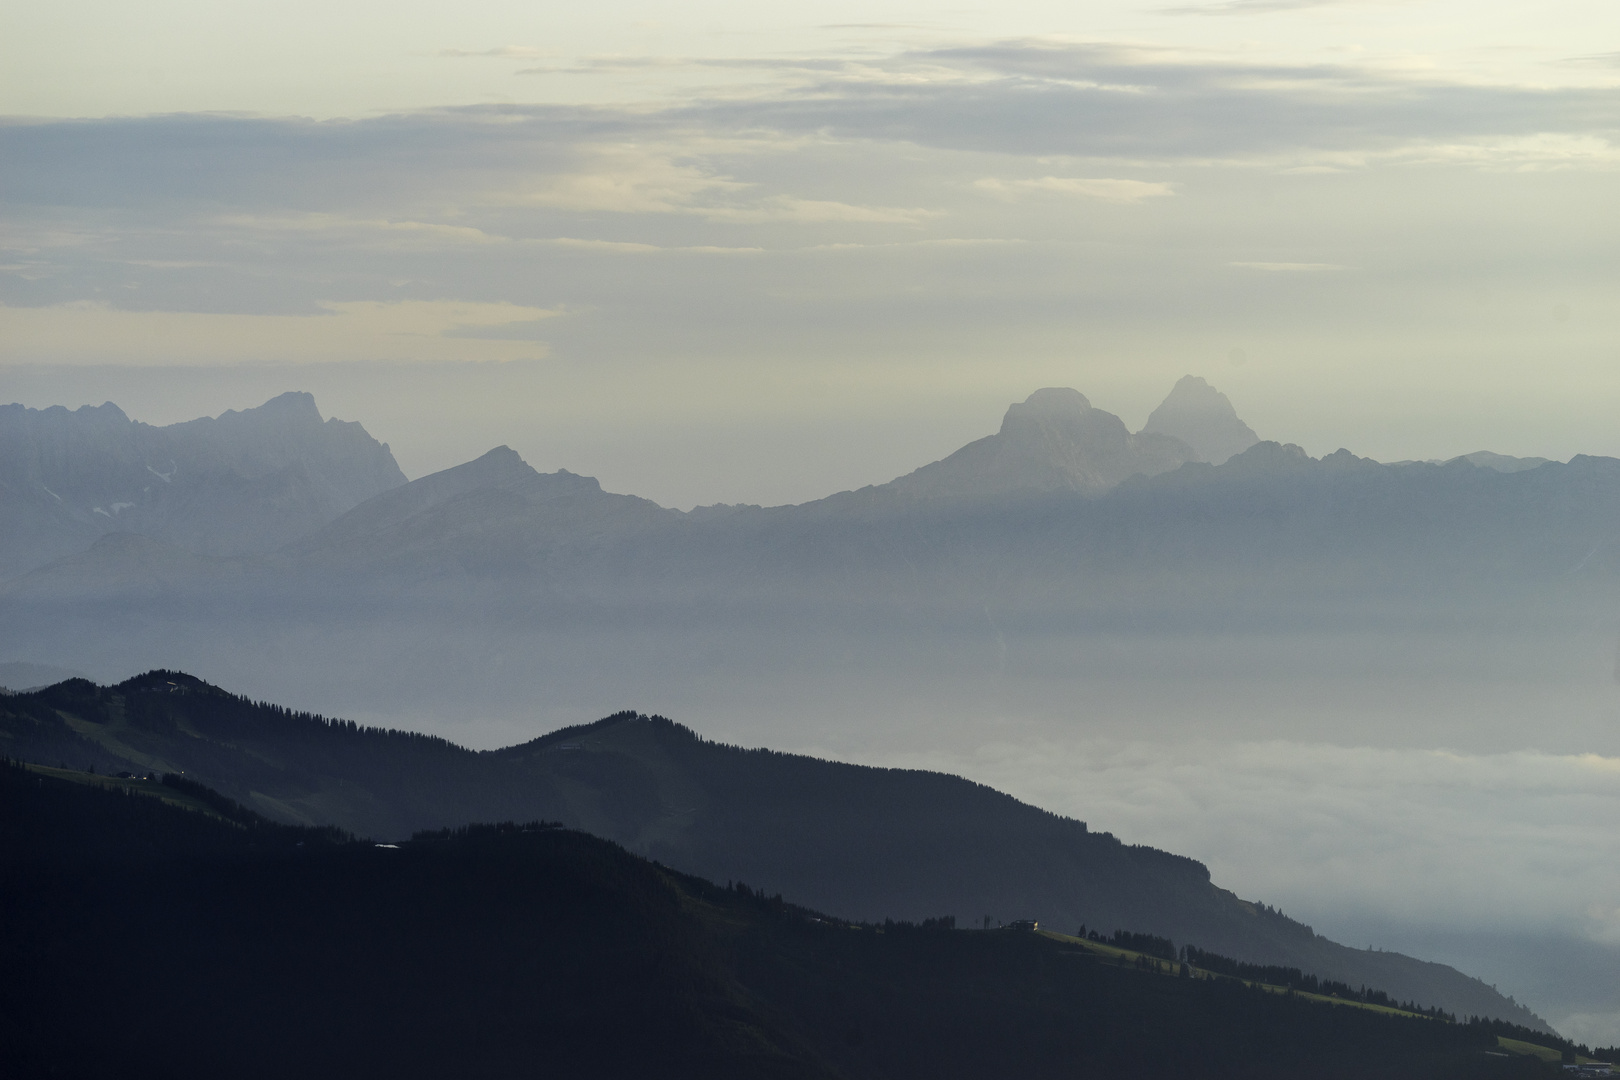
<point x="246" y="481"/>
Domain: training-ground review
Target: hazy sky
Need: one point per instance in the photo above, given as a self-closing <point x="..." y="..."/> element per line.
<point x="745" y="252"/>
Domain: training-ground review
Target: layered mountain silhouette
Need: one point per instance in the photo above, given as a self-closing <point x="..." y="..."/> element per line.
<point x="868" y="843"/>
<point x="326" y="499"/>
<point x="246" y="481"/>
<point x="487" y="516"/>
<point x="1003" y="576"/>
<point x="1485" y="459"/>
<point x="1271" y="519"/>
<point x="155" y="928"/>
<point x="277" y="479"/>
<point x="1271" y="539"/>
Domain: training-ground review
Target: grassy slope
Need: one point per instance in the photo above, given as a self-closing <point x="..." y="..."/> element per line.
<point x="1157" y="965"/>
<point x="129" y="785"/>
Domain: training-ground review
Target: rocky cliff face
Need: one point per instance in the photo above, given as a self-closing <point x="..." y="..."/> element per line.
<point x="241" y="482"/>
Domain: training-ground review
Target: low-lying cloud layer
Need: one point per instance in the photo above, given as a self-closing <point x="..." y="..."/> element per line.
<point x="1506" y="865"/>
<point x="1466" y="841"/>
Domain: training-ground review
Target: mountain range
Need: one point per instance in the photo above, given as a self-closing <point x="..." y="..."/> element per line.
<point x="1018" y="575"/>
<point x="246" y="481"/>
<point x="1062" y="508"/>
<point x="155" y="928"/>
<point x="867" y="843"/>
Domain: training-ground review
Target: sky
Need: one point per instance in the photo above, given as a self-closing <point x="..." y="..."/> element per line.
<point x="758" y="253"/>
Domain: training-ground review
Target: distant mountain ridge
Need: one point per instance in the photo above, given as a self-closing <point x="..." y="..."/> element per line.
<point x="18" y="677"/>
<point x="866" y="842"/>
<point x="492" y="590"/>
<point x="1053" y="441"/>
<point x="1485" y="459"/>
<point x="276" y="479"/>
<point x="1271" y="534"/>
<point x="241" y="482"/>
<point x="494" y="511"/>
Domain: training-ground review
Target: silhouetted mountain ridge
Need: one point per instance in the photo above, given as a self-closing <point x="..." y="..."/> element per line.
<point x="870" y="843"/>
<point x="145" y="939"/>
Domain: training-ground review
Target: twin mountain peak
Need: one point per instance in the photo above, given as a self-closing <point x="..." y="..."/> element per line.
<point x="1055" y="440"/>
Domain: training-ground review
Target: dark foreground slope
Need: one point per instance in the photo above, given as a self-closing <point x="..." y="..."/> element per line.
<point x="868" y="843"/>
<point x="903" y="843"/>
<point x="142" y="939"/>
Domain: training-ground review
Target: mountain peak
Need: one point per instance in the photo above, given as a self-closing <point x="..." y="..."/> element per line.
<point x="1054" y="440"/>
<point x="301" y="402"/>
<point x="1203" y="418"/>
<point x="106" y="413"/>
<point x="502" y="459"/>
<point x="1047" y="404"/>
<point x="1271" y="456"/>
<point x="294" y="409"/>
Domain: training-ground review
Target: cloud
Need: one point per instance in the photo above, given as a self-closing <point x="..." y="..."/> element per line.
<point x="1524" y="840"/>
<point x="410" y="330"/>
<point x="1287" y="267"/>
<point x="1593" y="1029"/>
<point x="1091" y="101"/>
<point x="1250" y="7"/>
<point x="517" y="330"/>
<point x="1108" y="190"/>
<point x="874" y="26"/>
<point x="369" y="232"/>
<point x="1103" y="100"/>
<point x="504" y="52"/>
<point x="787" y="208"/>
<point x="886" y="163"/>
<point x="628" y="179"/>
<point x="621" y="247"/>
<point x="608" y="65"/>
<point x="1609" y="59"/>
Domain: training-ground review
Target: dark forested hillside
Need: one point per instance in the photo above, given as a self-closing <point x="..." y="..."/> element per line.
<point x="295" y="767"/>
<point x="223" y="945"/>
<point x="868" y="843"/>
